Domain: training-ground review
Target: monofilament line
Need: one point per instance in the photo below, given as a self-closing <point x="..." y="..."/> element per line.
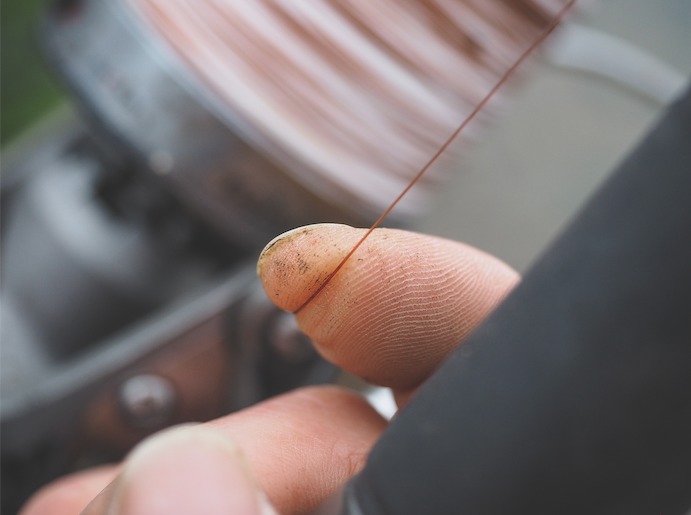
<point x="509" y="72"/>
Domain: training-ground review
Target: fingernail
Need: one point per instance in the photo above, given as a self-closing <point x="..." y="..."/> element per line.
<point x="187" y="470"/>
<point x="296" y="263"/>
<point x="270" y="247"/>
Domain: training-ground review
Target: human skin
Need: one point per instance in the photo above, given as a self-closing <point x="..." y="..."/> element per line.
<point x="391" y="315"/>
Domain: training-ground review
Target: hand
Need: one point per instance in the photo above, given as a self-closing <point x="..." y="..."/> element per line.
<point x="391" y="315"/>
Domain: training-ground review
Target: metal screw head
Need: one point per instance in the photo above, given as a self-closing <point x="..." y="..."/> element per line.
<point x="147" y="401"/>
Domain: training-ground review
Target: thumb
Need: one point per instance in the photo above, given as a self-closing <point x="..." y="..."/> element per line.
<point x="187" y="469"/>
<point x="398" y="306"/>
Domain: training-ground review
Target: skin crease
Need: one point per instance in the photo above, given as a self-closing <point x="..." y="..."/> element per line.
<point x="392" y="314"/>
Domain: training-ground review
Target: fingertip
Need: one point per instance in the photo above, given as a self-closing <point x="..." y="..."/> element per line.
<point x="187" y="469"/>
<point x="396" y="309"/>
<point x="402" y="303"/>
<point x="296" y="263"/>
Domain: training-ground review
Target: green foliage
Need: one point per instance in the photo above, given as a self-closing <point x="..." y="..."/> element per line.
<point x="28" y="91"/>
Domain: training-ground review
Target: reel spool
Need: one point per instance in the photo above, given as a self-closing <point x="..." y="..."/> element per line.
<point x="264" y="116"/>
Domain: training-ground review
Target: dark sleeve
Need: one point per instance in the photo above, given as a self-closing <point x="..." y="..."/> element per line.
<point x="575" y="396"/>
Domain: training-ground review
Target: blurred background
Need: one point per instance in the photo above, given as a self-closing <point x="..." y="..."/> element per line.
<point x="28" y="90"/>
<point x="562" y="133"/>
<point x="523" y="180"/>
<point x="135" y="290"/>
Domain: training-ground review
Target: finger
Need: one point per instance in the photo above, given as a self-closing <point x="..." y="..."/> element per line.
<point x="187" y="469"/>
<point x="305" y="444"/>
<point x="398" y="306"/>
<point x="70" y="494"/>
<point x="300" y="447"/>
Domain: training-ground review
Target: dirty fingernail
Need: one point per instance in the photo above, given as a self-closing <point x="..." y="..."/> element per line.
<point x="295" y="263"/>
